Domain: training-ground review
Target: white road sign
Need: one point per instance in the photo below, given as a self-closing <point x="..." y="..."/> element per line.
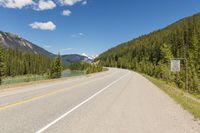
<point x="175" y="65"/>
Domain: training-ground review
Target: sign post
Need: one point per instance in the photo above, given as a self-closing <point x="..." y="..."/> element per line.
<point x="176" y="67"/>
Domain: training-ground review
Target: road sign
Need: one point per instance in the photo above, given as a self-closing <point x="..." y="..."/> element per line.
<point x="175" y="65"/>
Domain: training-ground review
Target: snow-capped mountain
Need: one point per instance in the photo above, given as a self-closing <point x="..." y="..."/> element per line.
<point x="74" y="58"/>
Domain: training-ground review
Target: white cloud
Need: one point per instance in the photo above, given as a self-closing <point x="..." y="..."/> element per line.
<point x="66" y="49"/>
<point x="80" y="34"/>
<point x="16" y="3"/>
<point x="43" y="25"/>
<point x="45" y="5"/>
<point x="69" y="2"/>
<point x="84" y="3"/>
<point x="47" y="46"/>
<point x="38" y="4"/>
<point x="77" y="35"/>
<point x="66" y="12"/>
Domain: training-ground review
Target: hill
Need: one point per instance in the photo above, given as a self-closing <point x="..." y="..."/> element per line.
<point x="151" y="53"/>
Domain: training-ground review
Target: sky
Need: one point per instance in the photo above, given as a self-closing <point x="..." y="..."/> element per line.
<point x="89" y="26"/>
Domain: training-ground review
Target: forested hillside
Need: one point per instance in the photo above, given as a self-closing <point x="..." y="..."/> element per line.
<point x="15" y="62"/>
<point x="151" y="54"/>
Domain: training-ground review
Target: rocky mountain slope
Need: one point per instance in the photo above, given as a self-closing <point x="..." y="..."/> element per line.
<point x="74" y="58"/>
<point x="13" y="41"/>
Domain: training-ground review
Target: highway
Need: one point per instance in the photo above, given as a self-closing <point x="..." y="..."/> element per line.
<point x="115" y="101"/>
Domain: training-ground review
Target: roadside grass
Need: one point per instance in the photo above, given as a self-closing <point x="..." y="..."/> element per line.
<point x="24" y="78"/>
<point x="17" y="81"/>
<point x="105" y="69"/>
<point x="187" y="101"/>
<point x="30" y="78"/>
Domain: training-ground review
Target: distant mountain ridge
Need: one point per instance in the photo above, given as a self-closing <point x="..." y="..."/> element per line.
<point x="74" y="58"/>
<point x="13" y="41"/>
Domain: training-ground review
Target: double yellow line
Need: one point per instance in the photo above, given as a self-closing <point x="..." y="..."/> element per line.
<point x="45" y="95"/>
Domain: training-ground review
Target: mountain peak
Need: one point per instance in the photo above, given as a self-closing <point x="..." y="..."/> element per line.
<point x="90" y="57"/>
<point x="74" y="58"/>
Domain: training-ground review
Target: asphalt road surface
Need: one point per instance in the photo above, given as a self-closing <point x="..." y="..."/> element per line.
<point x="115" y="101"/>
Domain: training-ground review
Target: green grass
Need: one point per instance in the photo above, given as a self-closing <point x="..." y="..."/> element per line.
<point x="187" y="101"/>
<point x="29" y="78"/>
<point x="24" y="78"/>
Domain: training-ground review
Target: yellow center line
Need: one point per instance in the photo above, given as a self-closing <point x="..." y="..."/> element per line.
<point x="44" y="95"/>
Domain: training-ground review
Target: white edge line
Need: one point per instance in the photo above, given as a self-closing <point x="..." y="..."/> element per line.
<point x="40" y="88"/>
<point x="79" y="105"/>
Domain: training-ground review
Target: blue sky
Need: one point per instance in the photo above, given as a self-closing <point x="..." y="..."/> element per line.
<point x="89" y="26"/>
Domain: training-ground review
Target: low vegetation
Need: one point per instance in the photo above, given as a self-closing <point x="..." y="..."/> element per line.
<point x="187" y="101"/>
<point x="86" y="67"/>
<point x="1" y="64"/>
<point x="23" y="78"/>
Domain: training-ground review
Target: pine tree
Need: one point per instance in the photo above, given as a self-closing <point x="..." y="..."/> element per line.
<point x="164" y="63"/>
<point x="56" y="68"/>
<point x="2" y="66"/>
<point x="193" y="63"/>
<point x="166" y="53"/>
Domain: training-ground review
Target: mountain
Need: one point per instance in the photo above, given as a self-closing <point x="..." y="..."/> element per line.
<point x="90" y="57"/>
<point x="74" y="58"/>
<point x="10" y="40"/>
<point x="13" y="41"/>
<point x="151" y="53"/>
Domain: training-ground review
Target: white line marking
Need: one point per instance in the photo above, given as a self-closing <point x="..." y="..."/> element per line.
<point x="10" y="93"/>
<point x="79" y="105"/>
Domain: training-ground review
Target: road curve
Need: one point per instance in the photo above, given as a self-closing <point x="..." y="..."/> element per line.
<point x="115" y="101"/>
